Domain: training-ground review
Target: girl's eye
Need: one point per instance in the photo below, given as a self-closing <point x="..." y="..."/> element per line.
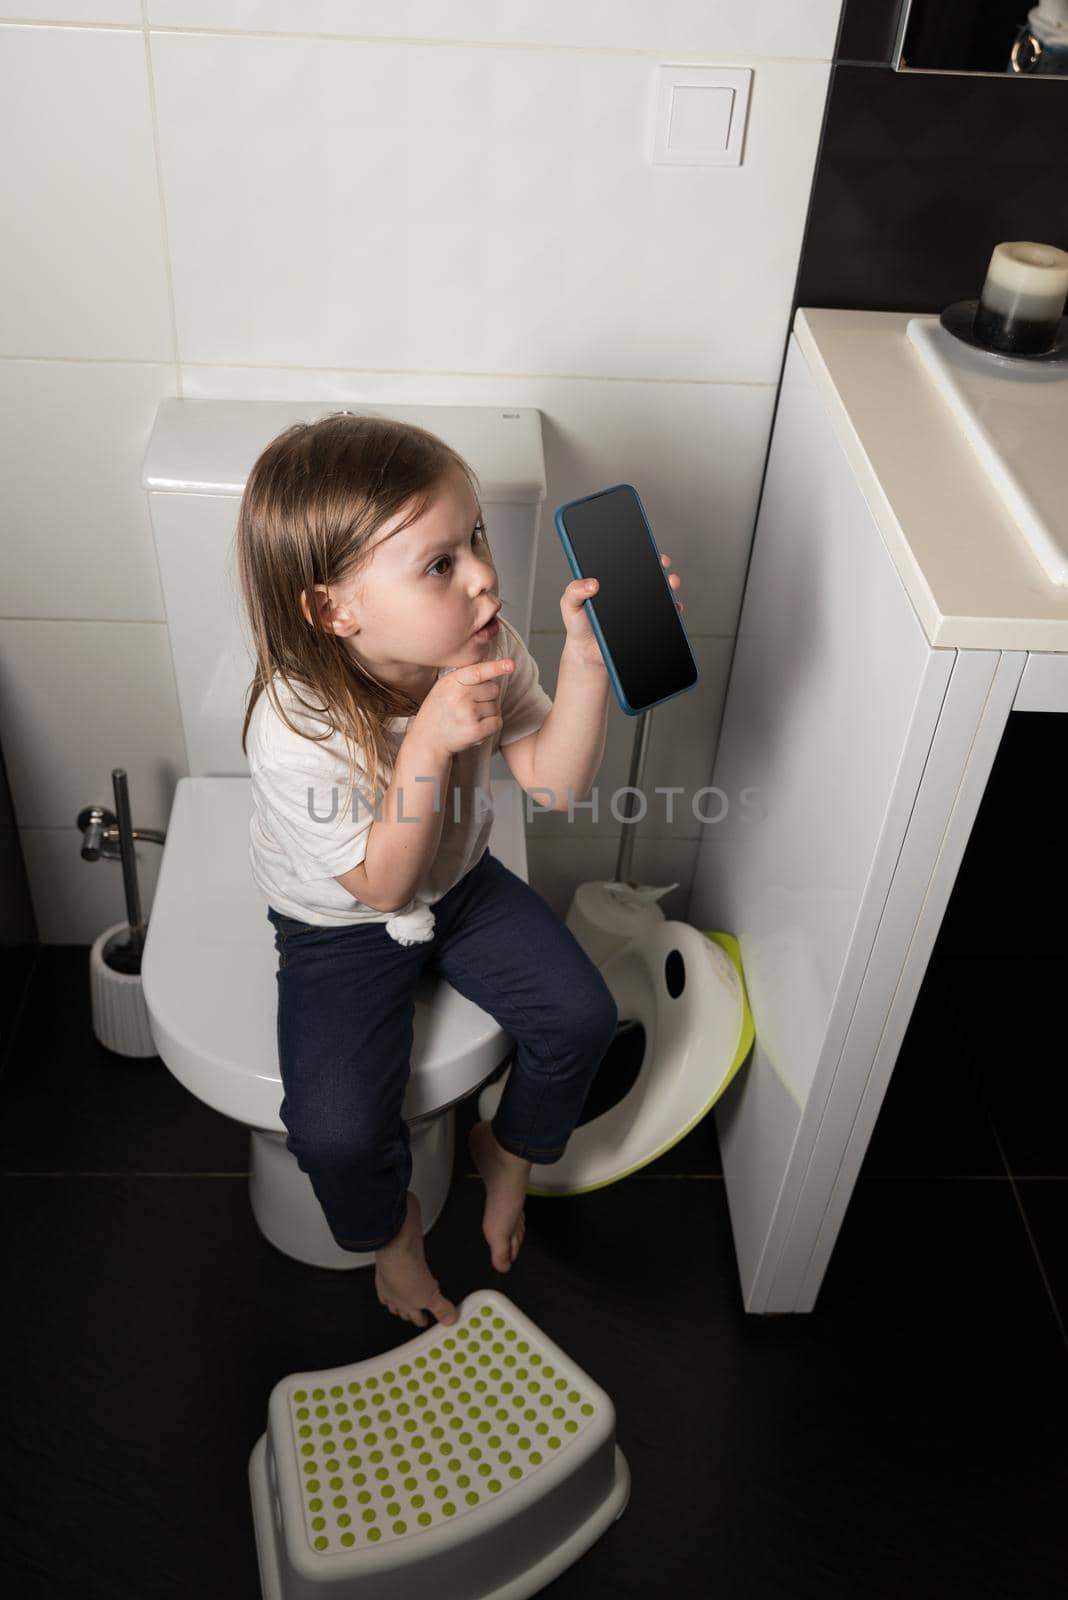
<point x="479" y="534"/>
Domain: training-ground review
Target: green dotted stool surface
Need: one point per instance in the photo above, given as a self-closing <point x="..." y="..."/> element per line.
<point x="401" y="1470"/>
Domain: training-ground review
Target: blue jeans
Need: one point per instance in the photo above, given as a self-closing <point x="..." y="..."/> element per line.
<point x="346" y="1005"/>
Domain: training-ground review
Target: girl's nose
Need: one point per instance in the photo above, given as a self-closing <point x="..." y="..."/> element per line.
<point x="485" y="575"/>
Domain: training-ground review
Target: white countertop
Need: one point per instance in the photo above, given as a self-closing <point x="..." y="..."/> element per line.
<point x="969" y="572"/>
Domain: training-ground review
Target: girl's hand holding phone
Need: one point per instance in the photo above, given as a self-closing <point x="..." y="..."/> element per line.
<point x="581" y="640"/>
<point x="463" y="708"/>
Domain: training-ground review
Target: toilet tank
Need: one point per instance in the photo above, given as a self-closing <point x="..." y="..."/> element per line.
<point x="198" y="458"/>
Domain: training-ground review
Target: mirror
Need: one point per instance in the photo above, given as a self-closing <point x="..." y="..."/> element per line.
<point x="985" y="36"/>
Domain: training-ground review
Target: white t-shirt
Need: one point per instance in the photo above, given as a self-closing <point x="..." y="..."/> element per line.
<point x="299" y="841"/>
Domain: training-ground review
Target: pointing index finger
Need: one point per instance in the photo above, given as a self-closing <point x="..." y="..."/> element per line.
<point x="488" y="669"/>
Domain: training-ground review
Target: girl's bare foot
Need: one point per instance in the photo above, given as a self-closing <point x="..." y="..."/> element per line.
<point x="505" y="1177"/>
<point x="403" y="1281"/>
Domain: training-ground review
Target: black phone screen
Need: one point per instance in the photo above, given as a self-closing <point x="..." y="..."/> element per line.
<point x="634" y="605"/>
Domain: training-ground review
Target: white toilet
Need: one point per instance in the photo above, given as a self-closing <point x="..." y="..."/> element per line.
<point x="209" y="964"/>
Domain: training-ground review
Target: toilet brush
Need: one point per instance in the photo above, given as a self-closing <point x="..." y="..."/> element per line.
<point x="605" y="916"/>
<point x="120" y="1017"/>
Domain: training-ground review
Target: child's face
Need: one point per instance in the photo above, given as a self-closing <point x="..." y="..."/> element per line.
<point x="423" y="594"/>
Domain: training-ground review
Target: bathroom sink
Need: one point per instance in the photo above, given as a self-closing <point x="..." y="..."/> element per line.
<point x="1014" y="414"/>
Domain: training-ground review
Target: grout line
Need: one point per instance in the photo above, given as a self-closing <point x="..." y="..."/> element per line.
<point x="951" y="1177"/>
<point x="448" y="372"/>
<point x="561" y="633"/>
<point x="124" y="1174"/>
<point x="652" y="1177"/>
<point x="387" y="372"/>
<point x="642" y="1177"/>
<point x="16" y="1020"/>
<point x="1019" y="1205"/>
<point x="653" y="53"/>
<point x="101" y="361"/>
<point x="650" y="52"/>
<point x="150" y="81"/>
<point x="42" y="23"/>
<point x="161" y="622"/>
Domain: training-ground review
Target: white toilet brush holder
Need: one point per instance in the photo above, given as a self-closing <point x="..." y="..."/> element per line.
<point x="120" y="1016"/>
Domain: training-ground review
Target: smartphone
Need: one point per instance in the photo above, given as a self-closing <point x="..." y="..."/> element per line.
<point x="634" y="614"/>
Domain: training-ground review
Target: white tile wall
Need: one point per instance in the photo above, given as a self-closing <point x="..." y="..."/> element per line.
<point x="79" y="699"/>
<point x="804" y="28"/>
<point x="682" y="736"/>
<point x="269" y="198"/>
<point x="557" y="866"/>
<point x="83" y="11"/>
<point x="460" y="211"/>
<point x="695" y="452"/>
<point x="83" y="271"/>
<point x="77" y="535"/>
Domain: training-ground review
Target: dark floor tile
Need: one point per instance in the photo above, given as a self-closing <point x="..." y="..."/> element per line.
<point x="17" y="962"/>
<point x="933" y="1120"/>
<point x="68" y="1104"/>
<point x="943" y="1365"/>
<point x="1017" y="1045"/>
<point x="1005" y="929"/>
<point x="902" y="1438"/>
<point x="1045" y="1206"/>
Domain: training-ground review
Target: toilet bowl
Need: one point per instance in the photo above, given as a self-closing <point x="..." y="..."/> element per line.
<point x="209" y="979"/>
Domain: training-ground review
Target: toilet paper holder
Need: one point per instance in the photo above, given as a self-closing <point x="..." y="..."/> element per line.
<point x="111" y="834"/>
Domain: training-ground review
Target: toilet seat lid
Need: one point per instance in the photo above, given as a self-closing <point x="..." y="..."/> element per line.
<point x="209" y="968"/>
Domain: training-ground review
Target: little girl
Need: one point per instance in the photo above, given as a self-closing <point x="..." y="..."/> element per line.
<point x="382" y="670"/>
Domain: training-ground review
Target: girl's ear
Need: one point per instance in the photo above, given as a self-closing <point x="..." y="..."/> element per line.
<point x="333" y="614"/>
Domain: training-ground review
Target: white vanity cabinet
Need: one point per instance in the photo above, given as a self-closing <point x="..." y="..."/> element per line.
<point x="893" y="617"/>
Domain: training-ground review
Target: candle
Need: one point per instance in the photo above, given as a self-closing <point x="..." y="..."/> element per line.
<point x="1023" y="298"/>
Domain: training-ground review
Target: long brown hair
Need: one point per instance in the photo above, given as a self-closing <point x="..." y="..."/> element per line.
<point x="313" y="503"/>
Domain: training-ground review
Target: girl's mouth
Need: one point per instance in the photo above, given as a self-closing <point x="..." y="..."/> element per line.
<point x="483" y="635"/>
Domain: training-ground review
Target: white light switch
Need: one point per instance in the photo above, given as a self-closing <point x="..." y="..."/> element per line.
<point x="700" y="115"/>
<point x="700" y="119"/>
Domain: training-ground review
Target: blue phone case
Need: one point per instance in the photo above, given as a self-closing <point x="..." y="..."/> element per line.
<point x="590" y="605"/>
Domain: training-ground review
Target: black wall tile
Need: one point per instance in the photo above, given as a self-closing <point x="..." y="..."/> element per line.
<point x="18" y="926"/>
<point x="963" y="35"/>
<point x="920" y="175"/>
<point x="869" y="29"/>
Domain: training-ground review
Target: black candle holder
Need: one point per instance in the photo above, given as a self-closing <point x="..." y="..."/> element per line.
<point x="958" y="319"/>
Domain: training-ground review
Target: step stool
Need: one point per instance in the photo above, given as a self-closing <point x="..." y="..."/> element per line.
<point x="475" y="1462"/>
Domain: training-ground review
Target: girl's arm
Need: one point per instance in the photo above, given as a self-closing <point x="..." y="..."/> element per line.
<point x="570" y="742"/>
<point x="400" y="846"/>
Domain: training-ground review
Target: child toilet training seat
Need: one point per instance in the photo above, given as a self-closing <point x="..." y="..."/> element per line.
<point x="686" y="989"/>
